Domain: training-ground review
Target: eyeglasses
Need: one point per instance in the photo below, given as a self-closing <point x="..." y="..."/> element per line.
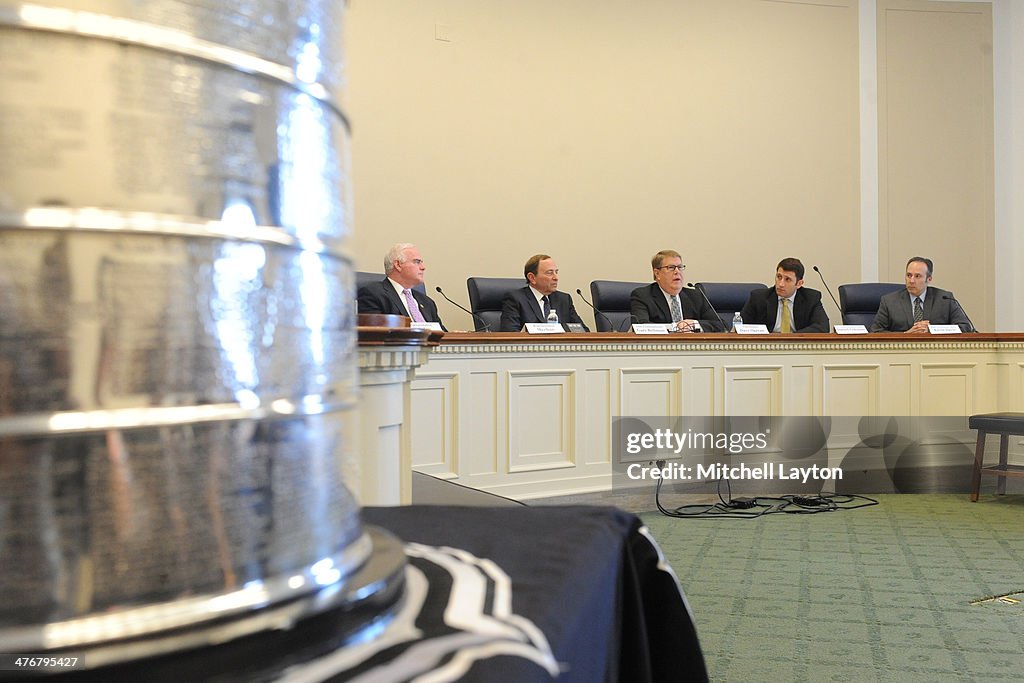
<point x="674" y="269"/>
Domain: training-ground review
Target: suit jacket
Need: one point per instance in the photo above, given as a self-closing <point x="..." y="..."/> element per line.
<point x="520" y="307"/>
<point x="762" y="308"/>
<point x="381" y="297"/>
<point x="896" y="313"/>
<point x="648" y="305"/>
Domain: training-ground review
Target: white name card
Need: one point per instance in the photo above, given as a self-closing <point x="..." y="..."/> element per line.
<point x="743" y="328"/>
<point x="944" y="329"/>
<point x="651" y="328"/>
<point x="436" y="327"/>
<point x="543" y="328"/>
<point x="851" y="329"/>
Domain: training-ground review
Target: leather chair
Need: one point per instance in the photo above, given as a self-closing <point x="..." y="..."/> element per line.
<point x="858" y="303"/>
<point x="486" y="295"/>
<point x="611" y="298"/>
<point x="365" y="278"/>
<point x="728" y="297"/>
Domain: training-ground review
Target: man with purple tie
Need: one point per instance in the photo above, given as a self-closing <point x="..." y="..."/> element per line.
<point x="396" y="294"/>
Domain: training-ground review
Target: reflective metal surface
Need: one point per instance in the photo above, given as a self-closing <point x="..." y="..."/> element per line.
<point x="94" y="122"/>
<point x="177" y="345"/>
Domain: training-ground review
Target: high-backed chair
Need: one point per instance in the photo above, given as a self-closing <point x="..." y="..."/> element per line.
<point x="859" y="302"/>
<point x="611" y="297"/>
<point x="728" y="297"/>
<point x="485" y="297"/>
<point x="365" y="278"/>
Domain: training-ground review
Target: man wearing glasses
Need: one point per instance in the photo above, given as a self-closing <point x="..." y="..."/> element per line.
<point x="665" y="300"/>
<point x="396" y="294"/>
<point x="540" y="297"/>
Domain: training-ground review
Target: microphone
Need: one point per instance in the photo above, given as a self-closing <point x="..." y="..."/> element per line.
<point x="952" y="298"/>
<point x="486" y="327"/>
<point x="822" y="278"/>
<point x="711" y="305"/>
<point x="598" y="312"/>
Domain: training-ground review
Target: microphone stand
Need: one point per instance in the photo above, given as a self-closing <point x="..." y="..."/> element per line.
<point x="969" y="321"/>
<point x="710" y="305"/>
<point x="822" y="278"/>
<point x="596" y="310"/>
<point x="486" y="327"/>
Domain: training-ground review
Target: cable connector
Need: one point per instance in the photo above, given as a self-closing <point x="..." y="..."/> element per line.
<point x="811" y="502"/>
<point x="741" y="503"/>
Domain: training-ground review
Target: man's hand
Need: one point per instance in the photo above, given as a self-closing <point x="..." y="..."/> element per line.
<point x="920" y="327"/>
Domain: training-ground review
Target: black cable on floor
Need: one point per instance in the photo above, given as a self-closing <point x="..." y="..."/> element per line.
<point x="747" y="508"/>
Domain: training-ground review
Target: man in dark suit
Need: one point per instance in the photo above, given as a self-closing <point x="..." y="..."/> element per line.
<point x="665" y="300"/>
<point x="919" y="305"/>
<point x="395" y="295"/>
<point x="532" y="303"/>
<point x="788" y="306"/>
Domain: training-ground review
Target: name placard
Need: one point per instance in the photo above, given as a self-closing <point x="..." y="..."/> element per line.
<point x="744" y="328"/>
<point x="543" y="328"/>
<point x="851" y="329"/>
<point x="651" y="328"/>
<point x="436" y="327"/>
<point x="944" y="329"/>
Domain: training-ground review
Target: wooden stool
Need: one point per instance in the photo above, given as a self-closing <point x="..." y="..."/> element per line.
<point x="1003" y="424"/>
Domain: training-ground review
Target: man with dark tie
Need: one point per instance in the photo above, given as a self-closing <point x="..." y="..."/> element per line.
<point x="788" y="306"/>
<point x="395" y="294"/>
<point x="665" y="300"/>
<point x="534" y="302"/>
<point x="919" y="305"/>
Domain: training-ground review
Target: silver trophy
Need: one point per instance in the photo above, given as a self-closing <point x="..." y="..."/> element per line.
<point x="177" y="336"/>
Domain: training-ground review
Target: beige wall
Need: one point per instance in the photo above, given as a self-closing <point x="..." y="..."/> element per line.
<point x="600" y="132"/>
<point x="1008" y="58"/>
<point x="728" y="129"/>
<point x="936" y="145"/>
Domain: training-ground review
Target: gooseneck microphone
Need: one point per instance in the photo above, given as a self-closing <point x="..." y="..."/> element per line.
<point x="596" y="309"/>
<point x="952" y="298"/>
<point x="822" y="278"/>
<point x="485" y="328"/>
<point x="710" y="305"/>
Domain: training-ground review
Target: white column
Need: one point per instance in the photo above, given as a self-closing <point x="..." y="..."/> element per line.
<point x="383" y="458"/>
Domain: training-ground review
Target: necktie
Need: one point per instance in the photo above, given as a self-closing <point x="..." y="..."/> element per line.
<point x="547" y="307"/>
<point x="414" y="308"/>
<point x="918" y="309"/>
<point x="784" y="326"/>
<point x="677" y="311"/>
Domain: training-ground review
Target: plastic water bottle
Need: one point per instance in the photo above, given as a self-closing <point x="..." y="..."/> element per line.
<point x="553" y="316"/>
<point x="737" y="319"/>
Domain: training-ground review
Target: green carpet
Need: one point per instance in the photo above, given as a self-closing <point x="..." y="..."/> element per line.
<point x="880" y="593"/>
